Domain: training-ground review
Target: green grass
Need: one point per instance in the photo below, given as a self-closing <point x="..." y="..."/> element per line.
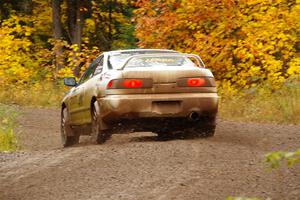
<point x="44" y="94"/>
<point x="8" y="141"/>
<point x="264" y="104"/>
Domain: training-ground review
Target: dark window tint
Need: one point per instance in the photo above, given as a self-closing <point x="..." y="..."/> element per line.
<point x="99" y="67"/>
<point x="89" y="72"/>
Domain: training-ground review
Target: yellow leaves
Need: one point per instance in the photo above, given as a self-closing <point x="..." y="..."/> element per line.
<point x="72" y="58"/>
<point x="65" y="72"/>
<point x="16" y="61"/>
<point x="89" y="25"/>
<point x="22" y="60"/>
<point x="294" y="67"/>
<point x="192" y="25"/>
<point x="254" y="70"/>
<point x="228" y="87"/>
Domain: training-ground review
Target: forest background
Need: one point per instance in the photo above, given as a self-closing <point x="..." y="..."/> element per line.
<point x="252" y="47"/>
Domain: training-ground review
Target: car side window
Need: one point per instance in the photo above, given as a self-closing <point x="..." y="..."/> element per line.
<point x="99" y="67"/>
<point x="89" y="72"/>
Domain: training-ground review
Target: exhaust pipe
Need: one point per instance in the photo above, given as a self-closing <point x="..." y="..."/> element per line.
<point x="193" y="116"/>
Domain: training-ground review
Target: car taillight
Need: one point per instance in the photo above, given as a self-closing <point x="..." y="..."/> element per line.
<point x="110" y="84"/>
<point x="133" y="83"/>
<point x="130" y="83"/>
<point x="196" y="82"/>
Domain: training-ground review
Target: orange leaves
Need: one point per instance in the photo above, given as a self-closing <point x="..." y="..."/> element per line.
<point x="244" y="42"/>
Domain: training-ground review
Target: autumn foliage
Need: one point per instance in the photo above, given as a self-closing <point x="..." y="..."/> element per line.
<point x="28" y="48"/>
<point x="244" y="42"/>
<point x="20" y="60"/>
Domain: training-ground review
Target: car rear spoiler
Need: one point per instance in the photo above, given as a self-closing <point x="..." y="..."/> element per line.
<point x="196" y="57"/>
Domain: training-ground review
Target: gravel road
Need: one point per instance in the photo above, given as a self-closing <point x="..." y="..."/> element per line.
<point x="139" y="166"/>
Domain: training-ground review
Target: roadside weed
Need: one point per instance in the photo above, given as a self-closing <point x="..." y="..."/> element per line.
<point x="263" y="104"/>
<point x="8" y="141"/>
<point x="44" y="94"/>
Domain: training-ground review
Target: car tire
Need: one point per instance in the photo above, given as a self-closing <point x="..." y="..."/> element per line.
<point x="206" y="127"/>
<point x="68" y="135"/>
<point x="99" y="136"/>
<point x="208" y="130"/>
<point x="163" y="135"/>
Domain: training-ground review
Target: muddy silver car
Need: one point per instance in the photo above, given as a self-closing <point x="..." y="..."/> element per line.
<point x="162" y="91"/>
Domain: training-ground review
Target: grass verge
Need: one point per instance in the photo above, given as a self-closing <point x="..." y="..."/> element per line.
<point x="261" y="104"/>
<point x="264" y="104"/>
<point x="43" y="94"/>
<point x="8" y="141"/>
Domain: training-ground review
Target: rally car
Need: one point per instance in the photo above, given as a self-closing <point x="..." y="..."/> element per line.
<point x="162" y="91"/>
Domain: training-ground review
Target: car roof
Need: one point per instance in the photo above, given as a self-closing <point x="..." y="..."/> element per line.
<point x="142" y="51"/>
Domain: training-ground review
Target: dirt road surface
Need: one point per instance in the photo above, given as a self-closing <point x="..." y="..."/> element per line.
<point x="139" y="166"/>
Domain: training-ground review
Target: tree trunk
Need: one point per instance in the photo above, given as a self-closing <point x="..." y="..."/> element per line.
<point x="110" y="20"/>
<point x="57" y="33"/>
<point x="26" y="6"/>
<point x="75" y="25"/>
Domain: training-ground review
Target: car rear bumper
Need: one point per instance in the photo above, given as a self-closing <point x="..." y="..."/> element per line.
<point x="115" y="107"/>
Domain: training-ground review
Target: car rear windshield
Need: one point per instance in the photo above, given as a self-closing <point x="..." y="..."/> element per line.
<point x="166" y="61"/>
<point x="118" y="61"/>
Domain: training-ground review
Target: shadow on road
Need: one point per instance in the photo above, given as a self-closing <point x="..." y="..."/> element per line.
<point x="170" y="137"/>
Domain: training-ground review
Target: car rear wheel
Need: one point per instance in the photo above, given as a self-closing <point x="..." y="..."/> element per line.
<point x="68" y="135"/>
<point x="163" y="134"/>
<point x="205" y="127"/>
<point x="98" y="135"/>
<point x="208" y="130"/>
